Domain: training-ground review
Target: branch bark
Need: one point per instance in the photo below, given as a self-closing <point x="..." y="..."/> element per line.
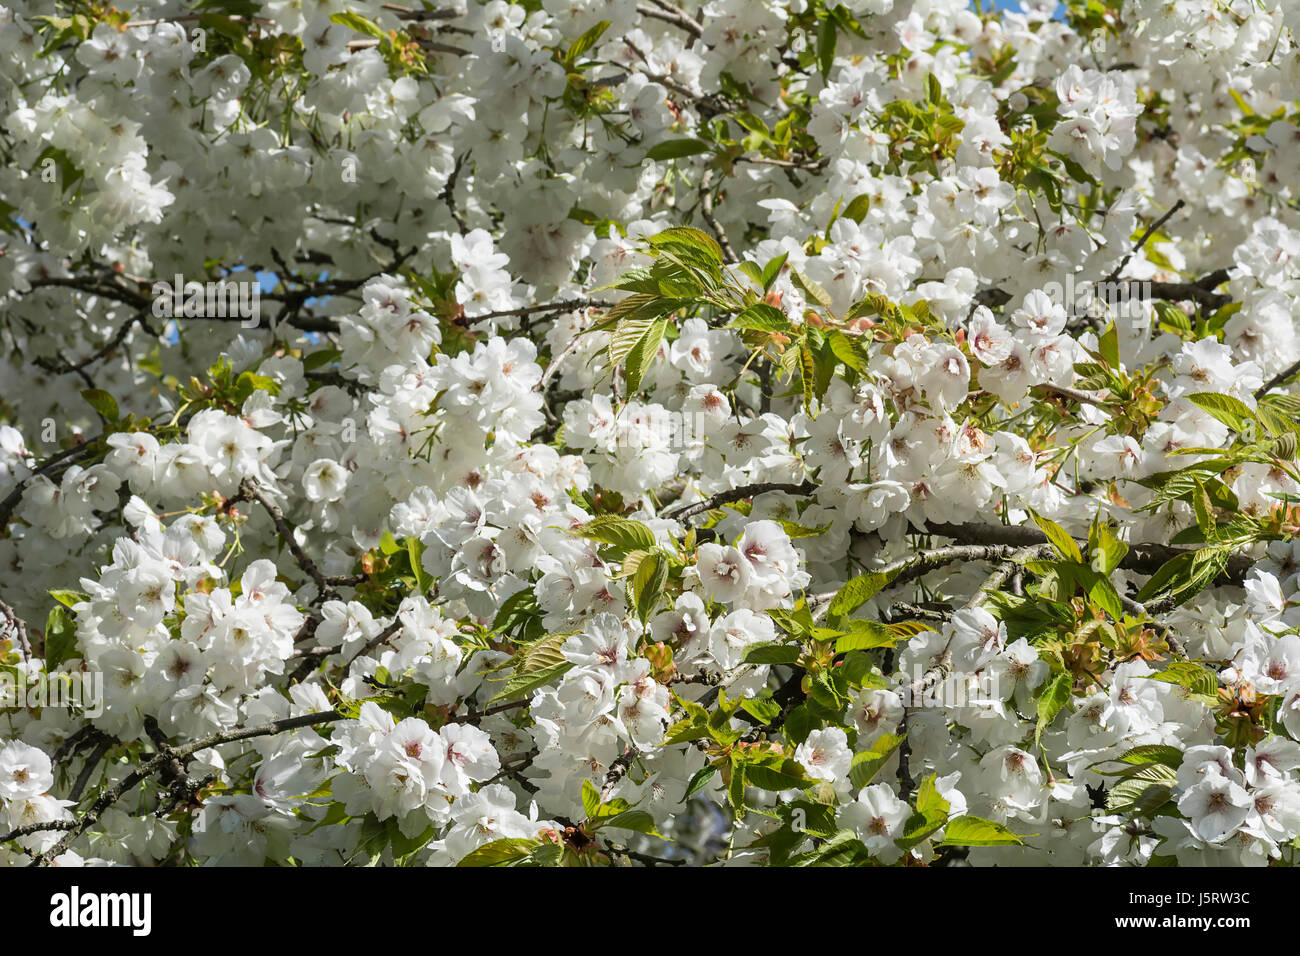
<point x="19" y="628"/>
<point x="735" y="494"/>
<point x="250" y="489"/>
<point x="159" y="760"/>
<point x="1281" y="378"/>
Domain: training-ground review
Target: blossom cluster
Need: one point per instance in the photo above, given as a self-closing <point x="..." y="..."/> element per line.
<point x="663" y="438"/>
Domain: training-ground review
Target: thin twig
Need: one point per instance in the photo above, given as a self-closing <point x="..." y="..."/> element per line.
<point x="158" y="761"/>
<point x="67" y="456"/>
<point x="88" y="770"/>
<point x="1145" y="236"/>
<point x="1281" y="378"/>
<point x="249" y="488"/>
<point x="29" y="828"/>
<point x="19" y="627"/>
<point x="1164" y="630"/>
<point x="681" y="512"/>
<point x="672" y="15"/>
<point x="706" y="211"/>
<point x="943" y="667"/>
<point x="378" y="639"/>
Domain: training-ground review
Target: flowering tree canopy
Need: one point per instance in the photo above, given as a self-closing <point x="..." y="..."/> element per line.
<point x="778" y="432"/>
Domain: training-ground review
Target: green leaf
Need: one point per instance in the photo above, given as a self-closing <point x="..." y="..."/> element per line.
<point x="807" y="374"/>
<point x="864" y="635"/>
<point x="751" y="123"/>
<point x="1058" y="537"/>
<point x="700" y="780"/>
<point x="772" y="653"/>
<point x="826" y="40"/>
<point x="414" y="554"/>
<point x="628" y="332"/>
<point x="859" y="670"/>
<point x="1182" y="485"/>
<point x="69" y="173"/>
<point x="773" y="269"/>
<point x="931" y="814"/>
<point x="501" y="853"/>
<point x="1143" y="792"/>
<point x="1280" y="414"/>
<point x="776" y="773"/>
<point x="622" y="534"/>
<point x="68" y="598"/>
<point x="639" y="820"/>
<point x="1104" y="549"/>
<point x="848" y="349"/>
<point x="1075" y="171"/>
<point x="858" y="208"/>
<point x="1233" y="412"/>
<point x="320" y="357"/>
<point x="586" y="41"/>
<point x="868" y="763"/>
<point x="1203" y="508"/>
<point x="857" y="591"/>
<point x="1108" y="345"/>
<point x="1053" y="695"/>
<point x="975" y="831"/>
<point x="1099" y="587"/>
<point x="760" y="317"/>
<point x="643" y="353"/>
<point x="534" y="673"/>
<point x="933" y="92"/>
<point x="687" y="238"/>
<point x="103" y="403"/>
<point x="520" y="616"/>
<point x="844" y="849"/>
<point x="590" y="799"/>
<point x="797" y="621"/>
<point x="355" y="21"/>
<point x="677" y="149"/>
<point x="807" y="817"/>
<point x="793" y="530"/>
<point x="763" y="709"/>
<point x="1144" y="756"/>
<point x="1185" y="575"/>
<point x="811" y="288"/>
<point x="646" y="586"/>
<point x="736" y="788"/>
<point x="872" y="304"/>
<point x="1196" y="678"/>
<point x="684" y="731"/>
<point x="752" y="271"/>
<point x="60" y="637"/>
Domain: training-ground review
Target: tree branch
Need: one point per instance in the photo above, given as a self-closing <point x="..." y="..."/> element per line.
<point x="1281" y="378"/>
<point x="1143" y="558"/>
<point x="735" y="494"/>
<point x="1143" y="241"/>
<point x="250" y="489"/>
<point x="30" y="828"/>
<point x="159" y="760"/>
<point x="67" y="456"/>
<point x="667" y="13"/>
<point x="19" y="627"/>
<point x="706" y="211"/>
